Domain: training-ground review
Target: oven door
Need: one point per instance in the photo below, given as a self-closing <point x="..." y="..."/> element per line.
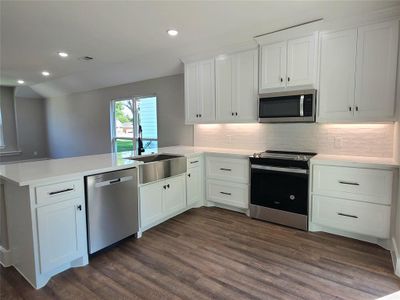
<point x="287" y="107"/>
<point x="280" y="188"/>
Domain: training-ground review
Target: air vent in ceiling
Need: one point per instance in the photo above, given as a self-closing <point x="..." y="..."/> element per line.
<point x="86" y="58"/>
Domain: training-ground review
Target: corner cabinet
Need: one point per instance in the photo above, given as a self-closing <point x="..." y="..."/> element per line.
<point x="161" y="200"/>
<point x="200" y="92"/>
<point x="288" y="64"/>
<point x="358" y="74"/>
<point x="236" y="87"/>
<point x="195" y="181"/>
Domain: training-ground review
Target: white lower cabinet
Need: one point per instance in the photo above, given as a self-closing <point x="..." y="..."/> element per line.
<point x="355" y="200"/>
<point x="195" y="182"/>
<point x="228" y="193"/>
<point x="227" y="180"/>
<point x="161" y="200"/>
<point x="352" y="216"/>
<point x="47" y="228"/>
<point x="66" y="220"/>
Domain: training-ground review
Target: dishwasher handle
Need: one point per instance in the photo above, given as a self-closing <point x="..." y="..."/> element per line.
<point x="113" y="181"/>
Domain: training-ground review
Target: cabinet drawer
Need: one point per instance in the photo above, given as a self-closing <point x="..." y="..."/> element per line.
<point x="227" y="193"/>
<point x="194" y="161"/>
<point x="230" y="169"/>
<point x="352" y="216"/>
<point x="369" y="185"/>
<point x="51" y="193"/>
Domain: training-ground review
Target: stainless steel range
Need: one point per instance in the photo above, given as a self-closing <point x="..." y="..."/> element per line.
<point x="279" y="187"/>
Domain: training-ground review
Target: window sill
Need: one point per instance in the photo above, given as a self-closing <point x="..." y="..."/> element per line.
<point x="10" y="152"/>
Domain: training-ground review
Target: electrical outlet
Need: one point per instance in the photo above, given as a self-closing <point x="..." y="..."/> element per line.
<point x="337" y="142"/>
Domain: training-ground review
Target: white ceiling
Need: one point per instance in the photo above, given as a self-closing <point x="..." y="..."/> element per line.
<point x="128" y="39"/>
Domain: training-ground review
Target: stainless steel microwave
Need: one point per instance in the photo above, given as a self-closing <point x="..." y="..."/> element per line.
<point x="287" y="107"/>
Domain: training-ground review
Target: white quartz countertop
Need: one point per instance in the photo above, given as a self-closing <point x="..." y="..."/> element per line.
<point x="26" y="173"/>
<point x="374" y="162"/>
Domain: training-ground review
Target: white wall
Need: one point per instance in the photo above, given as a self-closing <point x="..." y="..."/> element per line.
<point x="337" y="139"/>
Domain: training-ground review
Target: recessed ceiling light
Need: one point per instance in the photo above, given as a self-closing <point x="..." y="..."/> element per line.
<point x="172" y="32"/>
<point x="46" y="73"/>
<point x="63" y="54"/>
<point x="20" y="81"/>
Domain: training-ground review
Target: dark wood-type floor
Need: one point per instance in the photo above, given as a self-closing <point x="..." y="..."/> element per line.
<point x="213" y="253"/>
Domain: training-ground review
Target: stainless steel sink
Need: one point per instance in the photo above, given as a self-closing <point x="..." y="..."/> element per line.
<point x="153" y="158"/>
<point x="160" y="166"/>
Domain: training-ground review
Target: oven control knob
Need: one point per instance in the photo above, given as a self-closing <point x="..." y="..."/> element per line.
<point x="292" y="197"/>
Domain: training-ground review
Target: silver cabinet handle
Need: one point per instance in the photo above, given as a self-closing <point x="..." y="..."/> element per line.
<point x="113" y="181"/>
<point x="61" y="191"/>
<point x="302" y="106"/>
<point x="225" y="169"/>
<point x="348" y="182"/>
<point x="348" y="216"/>
<point x="225" y="193"/>
<point x="279" y="169"/>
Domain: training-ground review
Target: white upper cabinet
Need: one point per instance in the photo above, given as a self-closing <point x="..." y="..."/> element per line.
<point x="288" y="64"/>
<point x="337" y="71"/>
<point x="236" y="87"/>
<point x="273" y="66"/>
<point x="376" y="65"/>
<point x="200" y="92"/>
<point x="300" y="61"/>
<point x="358" y="74"/>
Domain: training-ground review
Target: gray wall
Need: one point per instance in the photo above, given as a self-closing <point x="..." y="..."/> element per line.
<point x="24" y="121"/>
<point x="8" y="117"/>
<point x="79" y="124"/>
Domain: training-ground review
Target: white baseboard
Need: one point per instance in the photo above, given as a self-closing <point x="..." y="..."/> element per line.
<point x="5" y="257"/>
<point x="395" y="257"/>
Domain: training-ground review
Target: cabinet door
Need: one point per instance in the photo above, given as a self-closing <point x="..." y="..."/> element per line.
<point x="245" y="91"/>
<point x="66" y="220"/>
<point x="194" y="185"/>
<point x="191" y="93"/>
<point x="224" y="78"/>
<point x="206" y="81"/>
<point x="376" y="66"/>
<point x="300" y="61"/>
<point x="174" y="195"/>
<point x="151" y="206"/>
<point x="337" y="72"/>
<point x="273" y="66"/>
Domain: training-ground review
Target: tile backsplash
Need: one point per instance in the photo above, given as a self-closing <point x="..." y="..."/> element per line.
<point x="337" y="139"/>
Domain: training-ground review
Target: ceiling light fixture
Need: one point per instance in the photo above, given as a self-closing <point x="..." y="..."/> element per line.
<point x="63" y="54"/>
<point x="172" y="32"/>
<point x="20" y="81"/>
<point x="46" y="73"/>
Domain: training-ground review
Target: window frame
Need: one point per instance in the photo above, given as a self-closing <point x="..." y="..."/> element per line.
<point x="134" y="99"/>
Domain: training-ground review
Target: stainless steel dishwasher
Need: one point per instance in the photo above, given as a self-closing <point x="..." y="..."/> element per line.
<point x="112" y="207"/>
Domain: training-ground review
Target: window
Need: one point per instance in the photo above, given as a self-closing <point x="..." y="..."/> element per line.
<point x="128" y="116"/>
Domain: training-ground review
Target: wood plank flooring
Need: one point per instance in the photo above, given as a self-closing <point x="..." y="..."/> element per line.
<point x="214" y="253"/>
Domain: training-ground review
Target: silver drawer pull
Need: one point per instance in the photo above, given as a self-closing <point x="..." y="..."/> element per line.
<point x="348" y="216"/>
<point x="61" y="191"/>
<point x="348" y="182"/>
<point x="224" y="193"/>
<point x="195" y="161"/>
<point x="225" y="169"/>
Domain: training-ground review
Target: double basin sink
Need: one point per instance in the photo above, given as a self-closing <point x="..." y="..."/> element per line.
<point x="159" y="166"/>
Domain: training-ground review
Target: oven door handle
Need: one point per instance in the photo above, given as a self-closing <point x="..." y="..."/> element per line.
<point x="279" y="169"/>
